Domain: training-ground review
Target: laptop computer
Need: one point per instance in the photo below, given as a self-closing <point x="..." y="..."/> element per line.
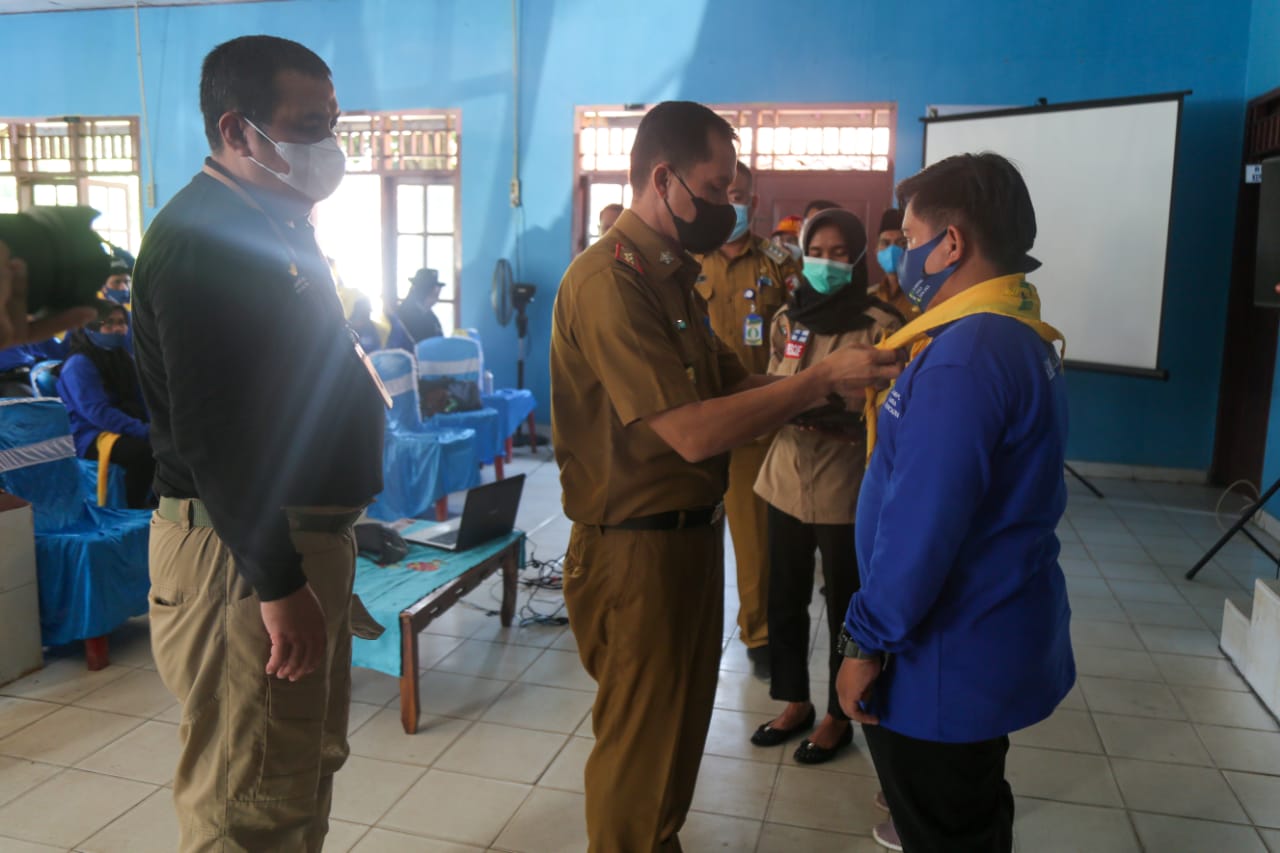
<point x="489" y="513"/>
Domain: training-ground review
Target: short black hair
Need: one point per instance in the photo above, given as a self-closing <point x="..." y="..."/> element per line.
<point x="984" y="196"/>
<point x="744" y="169"/>
<point x="816" y="205"/>
<point x="676" y="132"/>
<point x="615" y="207"/>
<point x="240" y="76"/>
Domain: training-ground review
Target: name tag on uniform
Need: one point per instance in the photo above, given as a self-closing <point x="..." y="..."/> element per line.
<point x="753" y="330"/>
<point x="797" y="344"/>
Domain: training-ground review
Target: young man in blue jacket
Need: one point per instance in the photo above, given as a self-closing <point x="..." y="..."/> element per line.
<point x="959" y="634"/>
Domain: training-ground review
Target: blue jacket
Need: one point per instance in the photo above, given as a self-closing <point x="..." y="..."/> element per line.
<point x="956" y="537"/>
<point x="91" y="408"/>
<point x="26" y="355"/>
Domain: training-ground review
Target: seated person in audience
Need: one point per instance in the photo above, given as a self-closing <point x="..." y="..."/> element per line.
<point x="889" y="251"/>
<point x="118" y="282"/>
<point x="99" y="385"/>
<point x="414" y="320"/>
<point x="16" y="363"/>
<point x="810" y="479"/>
<point x="608" y="215"/>
<point x="361" y="322"/>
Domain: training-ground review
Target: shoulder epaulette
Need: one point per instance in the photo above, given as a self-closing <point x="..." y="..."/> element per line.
<point x="777" y="254"/>
<point x="627" y="255"/>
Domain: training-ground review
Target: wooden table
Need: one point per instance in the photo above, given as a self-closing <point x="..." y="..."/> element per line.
<point x="420" y="614"/>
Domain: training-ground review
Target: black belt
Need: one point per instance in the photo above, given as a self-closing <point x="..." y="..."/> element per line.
<point x="674" y="520"/>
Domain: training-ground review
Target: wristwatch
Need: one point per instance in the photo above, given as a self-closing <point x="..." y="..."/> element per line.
<point x="850" y="649"/>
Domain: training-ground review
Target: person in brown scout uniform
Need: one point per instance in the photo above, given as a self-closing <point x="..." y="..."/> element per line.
<point x="646" y="403"/>
<point x="890" y="248"/>
<point x="745" y="282"/>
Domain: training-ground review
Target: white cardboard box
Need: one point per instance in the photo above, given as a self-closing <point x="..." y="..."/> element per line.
<point x="20" y="651"/>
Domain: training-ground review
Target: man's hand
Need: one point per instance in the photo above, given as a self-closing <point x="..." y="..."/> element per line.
<point x="15" y="327"/>
<point x="298" y="637"/>
<point x="851" y="370"/>
<point x="853" y="685"/>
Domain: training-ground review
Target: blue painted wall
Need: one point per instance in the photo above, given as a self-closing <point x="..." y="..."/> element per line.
<point x="456" y="53"/>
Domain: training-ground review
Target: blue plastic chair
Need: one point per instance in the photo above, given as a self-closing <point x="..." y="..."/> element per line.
<point x="91" y="561"/>
<point x="421" y="467"/>
<point x="514" y="406"/>
<point x="44" y="381"/>
<point x="459" y="359"/>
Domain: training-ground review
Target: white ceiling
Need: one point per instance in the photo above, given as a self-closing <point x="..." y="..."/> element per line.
<point x="13" y="7"/>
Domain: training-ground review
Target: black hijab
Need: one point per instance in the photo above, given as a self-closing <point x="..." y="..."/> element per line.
<point x="846" y="309"/>
<point x="115" y="366"/>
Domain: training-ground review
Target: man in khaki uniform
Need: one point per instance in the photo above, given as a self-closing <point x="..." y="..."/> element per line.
<point x="745" y="282"/>
<point x="646" y="404"/>
<point x="260" y="472"/>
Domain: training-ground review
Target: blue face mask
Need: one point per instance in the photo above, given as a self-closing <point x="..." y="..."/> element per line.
<point x="919" y="286"/>
<point x="741" y="222"/>
<point x="890" y="257"/>
<point x="112" y="340"/>
<point x="120" y="297"/>
<point x="826" y="276"/>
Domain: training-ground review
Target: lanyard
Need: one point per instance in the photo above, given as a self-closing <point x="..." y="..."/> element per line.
<point x="294" y="271"/>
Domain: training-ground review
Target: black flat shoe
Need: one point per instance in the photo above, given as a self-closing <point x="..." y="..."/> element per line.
<point x="810" y="753"/>
<point x="767" y="735"/>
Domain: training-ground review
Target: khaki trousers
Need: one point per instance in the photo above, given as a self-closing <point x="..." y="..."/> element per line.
<point x="647" y="610"/>
<point x="258" y="754"/>
<point x="749" y="526"/>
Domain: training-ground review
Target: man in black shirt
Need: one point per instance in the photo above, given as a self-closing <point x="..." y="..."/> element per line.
<point x="267" y="428"/>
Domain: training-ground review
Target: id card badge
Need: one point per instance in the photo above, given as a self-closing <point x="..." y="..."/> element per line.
<point x="753" y="331"/>
<point x="373" y="374"/>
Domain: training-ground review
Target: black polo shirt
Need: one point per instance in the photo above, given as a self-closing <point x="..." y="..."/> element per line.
<point x="258" y="400"/>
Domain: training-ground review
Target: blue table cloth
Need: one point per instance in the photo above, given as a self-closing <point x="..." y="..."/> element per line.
<point x="387" y="590"/>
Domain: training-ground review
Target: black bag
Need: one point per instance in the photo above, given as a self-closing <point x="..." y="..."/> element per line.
<point x="444" y="396"/>
<point x="380" y="543"/>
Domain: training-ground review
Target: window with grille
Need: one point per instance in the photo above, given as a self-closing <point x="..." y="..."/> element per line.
<point x="90" y="161"/>
<point x="781" y="138"/>
<point x="398" y="208"/>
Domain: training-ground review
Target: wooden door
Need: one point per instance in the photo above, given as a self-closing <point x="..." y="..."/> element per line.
<point x="785" y="193"/>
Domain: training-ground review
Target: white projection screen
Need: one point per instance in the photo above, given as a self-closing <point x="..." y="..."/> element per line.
<point x="1100" y="175"/>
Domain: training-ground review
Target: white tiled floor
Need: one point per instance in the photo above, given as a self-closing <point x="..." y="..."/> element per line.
<point x="1160" y="748"/>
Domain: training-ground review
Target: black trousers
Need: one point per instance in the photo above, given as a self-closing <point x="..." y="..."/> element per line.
<point x="945" y="797"/>
<point x="792" y="543"/>
<point x="134" y="455"/>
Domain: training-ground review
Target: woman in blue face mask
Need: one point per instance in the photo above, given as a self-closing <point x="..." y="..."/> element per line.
<point x="99" y="385"/>
<point x="811" y="476"/>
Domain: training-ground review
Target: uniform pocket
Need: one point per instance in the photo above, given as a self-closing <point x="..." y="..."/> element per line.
<point x="292" y="744"/>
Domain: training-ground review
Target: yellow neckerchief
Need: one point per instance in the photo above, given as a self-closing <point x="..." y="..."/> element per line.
<point x="1009" y="296"/>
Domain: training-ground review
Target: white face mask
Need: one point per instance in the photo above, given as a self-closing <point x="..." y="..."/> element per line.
<point x="315" y="169"/>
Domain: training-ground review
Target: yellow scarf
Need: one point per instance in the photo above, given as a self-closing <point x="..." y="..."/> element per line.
<point x="1009" y="296"/>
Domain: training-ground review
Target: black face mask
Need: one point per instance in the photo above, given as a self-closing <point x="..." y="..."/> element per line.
<point x="711" y="224"/>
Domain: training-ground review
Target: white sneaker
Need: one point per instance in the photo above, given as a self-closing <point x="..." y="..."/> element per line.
<point x="881" y="803"/>
<point x="886" y="835"/>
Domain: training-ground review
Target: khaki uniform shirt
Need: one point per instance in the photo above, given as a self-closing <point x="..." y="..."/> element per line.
<point x="630" y="338"/>
<point x="810" y="475"/>
<point x="756" y="282"/>
<point x="887" y="291"/>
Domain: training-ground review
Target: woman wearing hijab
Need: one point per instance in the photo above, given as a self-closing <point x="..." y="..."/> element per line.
<point x="811" y="476"/>
<point x="99" y="385"/>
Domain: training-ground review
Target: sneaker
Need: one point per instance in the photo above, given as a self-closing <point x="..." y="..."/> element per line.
<point x="881" y="803"/>
<point x="886" y="835"/>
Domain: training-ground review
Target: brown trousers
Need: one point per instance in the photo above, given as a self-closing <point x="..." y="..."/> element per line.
<point x="647" y="610"/>
<point x="749" y="527"/>
<point x="258" y="754"/>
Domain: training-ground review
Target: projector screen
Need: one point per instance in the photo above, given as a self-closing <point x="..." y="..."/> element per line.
<point x="1100" y="175"/>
